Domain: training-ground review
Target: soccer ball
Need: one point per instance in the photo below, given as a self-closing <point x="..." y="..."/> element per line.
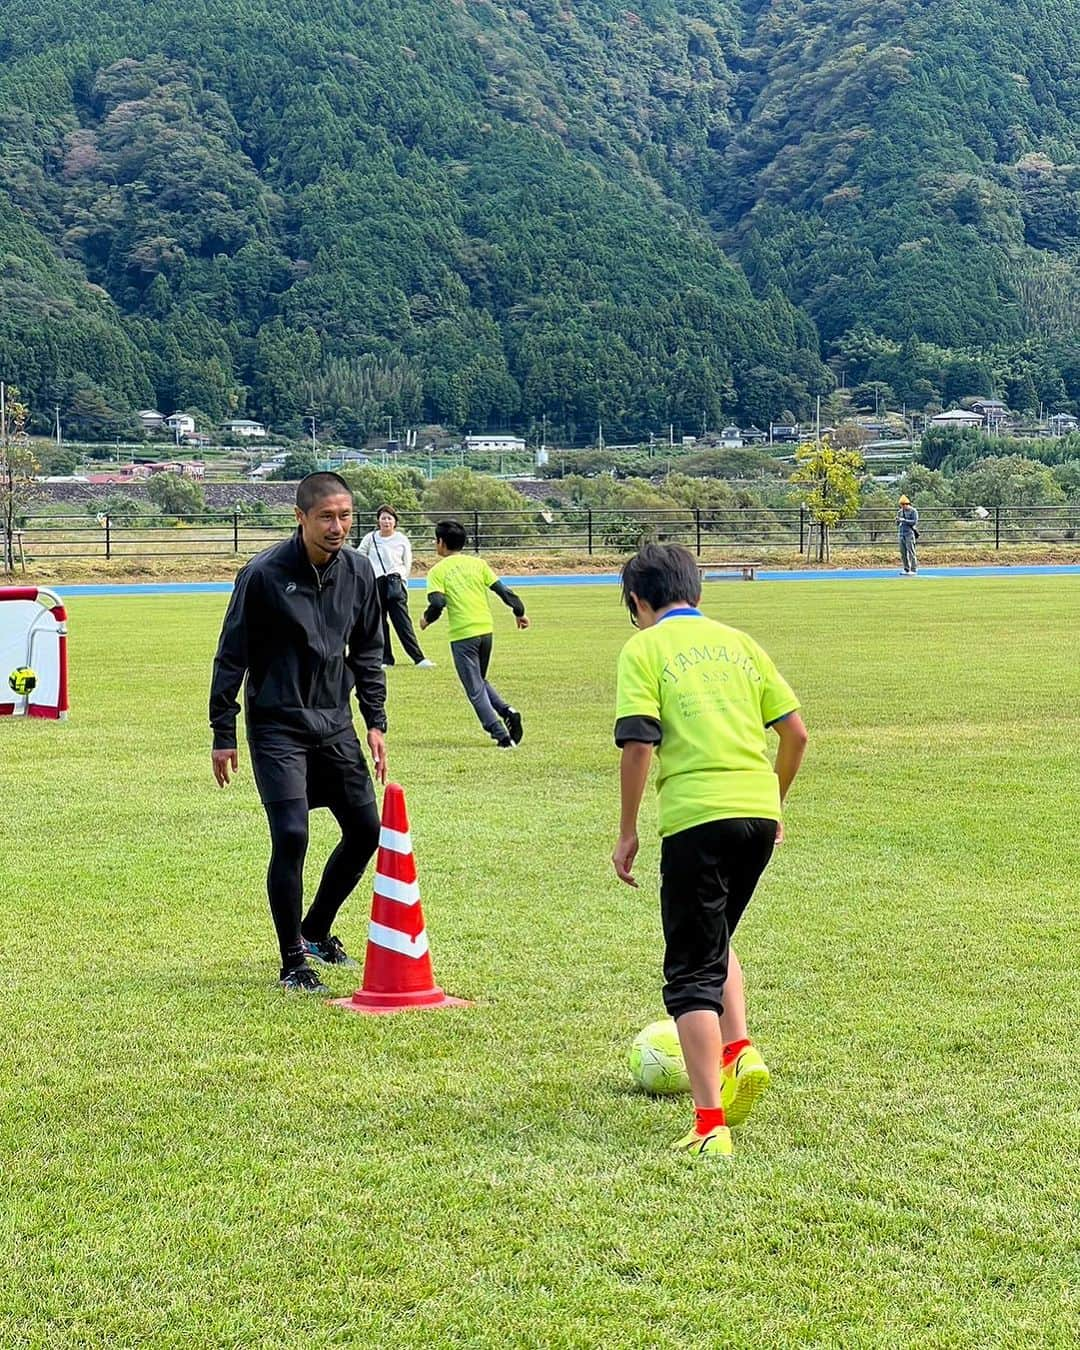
<point x="656" y="1061"/>
<point x="23" y="681"/>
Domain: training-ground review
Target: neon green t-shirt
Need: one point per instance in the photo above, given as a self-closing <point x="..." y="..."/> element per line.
<point x="464" y="580"/>
<point x="713" y="692"/>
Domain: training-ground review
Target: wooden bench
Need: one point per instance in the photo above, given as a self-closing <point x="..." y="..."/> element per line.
<point x="745" y="570"/>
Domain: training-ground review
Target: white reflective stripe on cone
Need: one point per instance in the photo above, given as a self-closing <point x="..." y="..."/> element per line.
<point x="395" y="840"/>
<point x="390" y="939"/>
<point x="404" y="892"/>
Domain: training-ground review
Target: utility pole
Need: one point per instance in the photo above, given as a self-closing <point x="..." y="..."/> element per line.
<point x="389" y="428"/>
<point x="314" y="442"/>
<point x="59" y="436"/>
<point x="817" y="423"/>
<point x="671" y="436"/>
<point x="600" y="435"/>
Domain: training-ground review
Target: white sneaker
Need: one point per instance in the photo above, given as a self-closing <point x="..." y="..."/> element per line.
<point x="425" y="664"/>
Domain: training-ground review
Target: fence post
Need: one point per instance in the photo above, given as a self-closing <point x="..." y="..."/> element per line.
<point x="997" y="526"/>
<point x="802" y="529"/>
<point x="476" y="531"/>
<point x="589" y="515"/>
<point x="236" y="531"/>
<point x="108" y="537"/>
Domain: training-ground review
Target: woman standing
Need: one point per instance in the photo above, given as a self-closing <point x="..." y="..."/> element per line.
<point x="390" y="554"/>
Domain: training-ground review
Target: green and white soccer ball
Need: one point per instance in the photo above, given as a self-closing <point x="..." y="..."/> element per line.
<point x="656" y="1060"/>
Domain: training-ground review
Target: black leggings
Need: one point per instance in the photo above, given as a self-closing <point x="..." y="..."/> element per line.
<point x="285" y="878"/>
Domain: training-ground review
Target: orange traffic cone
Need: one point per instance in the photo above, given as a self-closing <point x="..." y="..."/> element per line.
<point x="397" y="968"/>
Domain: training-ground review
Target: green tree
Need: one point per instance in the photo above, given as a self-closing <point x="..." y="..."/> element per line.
<point x="176" y="496"/>
<point x="18" y="469"/>
<point x="832" y="479"/>
<point x="1008" y="481"/>
<point x="461" y="492"/>
<point x="297" y="464"/>
<point x="373" y="486"/>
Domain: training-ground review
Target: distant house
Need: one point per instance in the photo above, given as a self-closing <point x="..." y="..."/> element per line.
<point x="151" y="420"/>
<point x="731" y="439"/>
<point x="494" y="443"/>
<point x="957" y="418"/>
<point x="183" y="468"/>
<point x="782" y="432"/>
<point x="244" y="426"/>
<point x="994" y="413"/>
<point x="754" y="436"/>
<point x="180" y="424"/>
<point x="1061" y="424"/>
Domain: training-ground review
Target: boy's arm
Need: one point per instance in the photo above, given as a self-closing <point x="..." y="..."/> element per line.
<point x="436" y="603"/>
<point x="793" y="737"/>
<point x="508" y="597"/>
<point x="633" y="775"/>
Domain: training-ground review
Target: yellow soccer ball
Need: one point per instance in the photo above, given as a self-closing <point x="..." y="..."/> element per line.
<point x="23" y="681"/>
<point x="656" y="1060"/>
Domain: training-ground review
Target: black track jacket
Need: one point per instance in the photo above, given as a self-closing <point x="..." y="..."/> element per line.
<point x="304" y="639"/>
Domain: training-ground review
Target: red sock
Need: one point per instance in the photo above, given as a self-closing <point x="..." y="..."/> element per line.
<point x="708" y="1118"/>
<point x="732" y="1051"/>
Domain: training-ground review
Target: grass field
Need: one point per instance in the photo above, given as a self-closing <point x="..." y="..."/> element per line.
<point x="192" y="1159"/>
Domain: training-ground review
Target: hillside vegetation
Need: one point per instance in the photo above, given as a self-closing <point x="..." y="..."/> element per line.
<point x="478" y="214"/>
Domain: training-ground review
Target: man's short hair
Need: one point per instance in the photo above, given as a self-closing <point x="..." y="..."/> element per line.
<point x="661" y="575"/>
<point x="452" y="533"/>
<point x="386" y="510"/>
<point x="312" y="489"/>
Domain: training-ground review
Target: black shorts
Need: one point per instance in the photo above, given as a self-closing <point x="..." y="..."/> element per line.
<point x="288" y="765"/>
<point x="707" y="876"/>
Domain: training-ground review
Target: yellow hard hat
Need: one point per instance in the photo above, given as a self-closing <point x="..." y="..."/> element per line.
<point x="905" y="501"/>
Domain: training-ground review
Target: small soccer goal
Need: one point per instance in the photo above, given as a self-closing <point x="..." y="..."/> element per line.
<point x="33" y="653"/>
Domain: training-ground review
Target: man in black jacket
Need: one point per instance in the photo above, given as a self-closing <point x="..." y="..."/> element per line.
<point x="304" y="626"/>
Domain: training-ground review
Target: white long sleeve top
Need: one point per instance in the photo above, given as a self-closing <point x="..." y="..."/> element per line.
<point x="387" y="553"/>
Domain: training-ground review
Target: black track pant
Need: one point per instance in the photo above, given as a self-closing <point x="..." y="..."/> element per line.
<point x="395" y="610"/>
<point x="285" y="879"/>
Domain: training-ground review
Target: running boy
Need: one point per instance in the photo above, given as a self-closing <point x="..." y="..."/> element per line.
<point x="702" y="695"/>
<point x="459" y="583"/>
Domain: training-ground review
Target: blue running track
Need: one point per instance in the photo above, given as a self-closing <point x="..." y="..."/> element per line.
<point x="611" y="579"/>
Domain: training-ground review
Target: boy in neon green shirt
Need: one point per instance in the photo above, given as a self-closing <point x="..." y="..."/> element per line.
<point x="702" y="695"/>
<point x="459" y="583"/>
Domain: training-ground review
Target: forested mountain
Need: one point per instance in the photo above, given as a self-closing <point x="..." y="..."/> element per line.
<point x="477" y="213"/>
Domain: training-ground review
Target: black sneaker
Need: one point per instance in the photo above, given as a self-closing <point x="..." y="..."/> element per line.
<point x="514" y="725"/>
<point x="505" y="743"/>
<point x="302" y="980"/>
<point x="329" y="952"/>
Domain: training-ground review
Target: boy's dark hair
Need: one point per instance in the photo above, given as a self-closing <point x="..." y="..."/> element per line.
<point x="312" y="489"/>
<point x="386" y="510"/>
<point x="452" y="533"/>
<point x="661" y="574"/>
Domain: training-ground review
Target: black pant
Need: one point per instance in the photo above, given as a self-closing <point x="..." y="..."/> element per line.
<point x="471" y="659"/>
<point x="285" y="878"/>
<point x="395" y="610"/>
<point x="707" y="876"/>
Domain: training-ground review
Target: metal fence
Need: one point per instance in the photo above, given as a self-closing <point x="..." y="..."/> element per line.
<point x="705" y="531"/>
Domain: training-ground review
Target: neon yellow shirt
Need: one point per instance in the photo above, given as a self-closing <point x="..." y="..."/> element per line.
<point x="464" y="580"/>
<point x="713" y="692"/>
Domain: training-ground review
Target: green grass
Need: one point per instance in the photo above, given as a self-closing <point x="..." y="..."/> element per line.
<point x="192" y="1159"/>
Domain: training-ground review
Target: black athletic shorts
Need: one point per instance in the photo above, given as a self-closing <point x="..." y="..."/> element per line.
<point x="707" y="876"/>
<point x="288" y="764"/>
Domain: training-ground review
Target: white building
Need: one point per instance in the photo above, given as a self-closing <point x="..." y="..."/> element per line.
<point x="731" y="439"/>
<point x="150" y="420"/>
<point x="243" y="426"/>
<point x="957" y="417"/>
<point x="181" y="424"/>
<point x="496" y="443"/>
